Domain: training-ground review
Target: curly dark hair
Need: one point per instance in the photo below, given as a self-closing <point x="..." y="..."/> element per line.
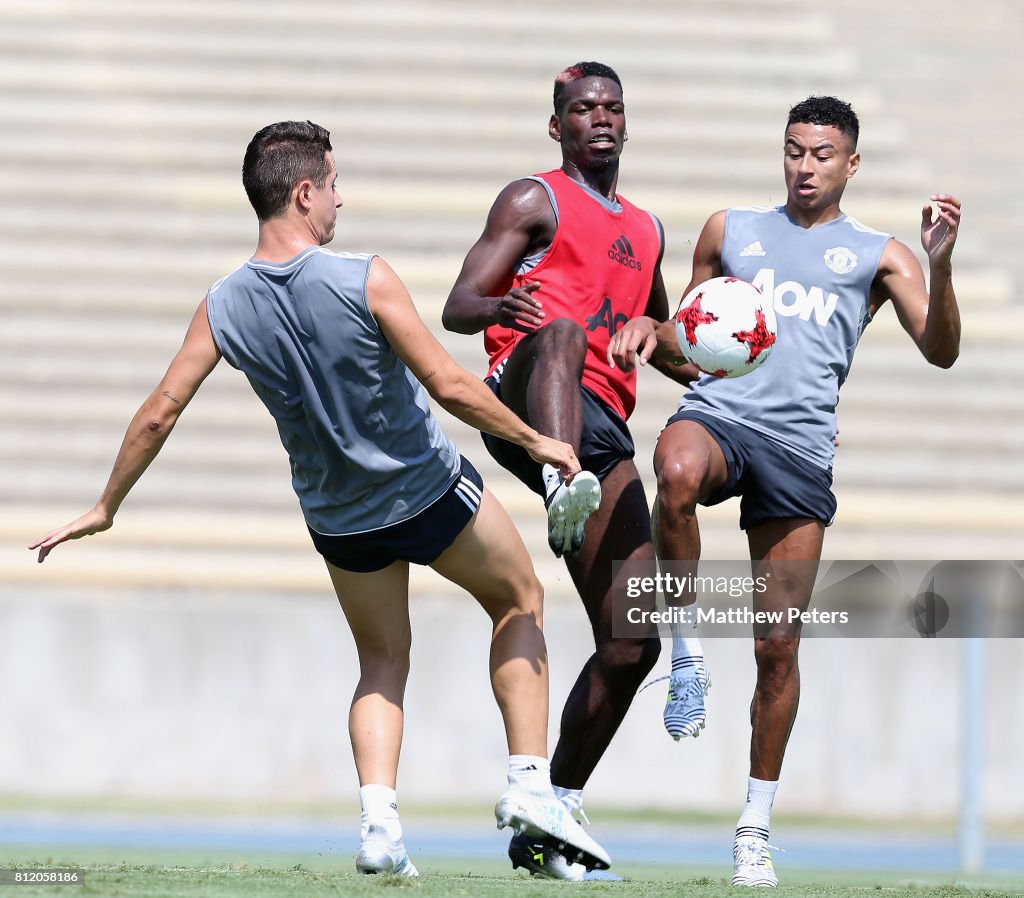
<point x="581" y="70"/>
<point x="277" y="158"/>
<point x="827" y="111"/>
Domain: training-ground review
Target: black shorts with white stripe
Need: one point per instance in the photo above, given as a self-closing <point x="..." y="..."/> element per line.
<point x="419" y="539"/>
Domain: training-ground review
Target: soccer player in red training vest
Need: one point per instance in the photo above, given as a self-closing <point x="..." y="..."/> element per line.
<point x="769" y="436"/>
<point x="562" y="264"/>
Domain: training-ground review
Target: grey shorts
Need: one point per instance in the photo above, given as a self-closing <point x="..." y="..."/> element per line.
<point x="771" y="481"/>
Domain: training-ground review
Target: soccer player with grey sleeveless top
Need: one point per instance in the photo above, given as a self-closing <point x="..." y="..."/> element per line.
<point x="333" y="346"/>
<point x="769" y="436"/>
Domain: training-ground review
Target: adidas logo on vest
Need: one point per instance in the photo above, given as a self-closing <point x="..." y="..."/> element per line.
<point x="622" y="252"/>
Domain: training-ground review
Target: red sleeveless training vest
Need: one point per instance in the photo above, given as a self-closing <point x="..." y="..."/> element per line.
<point x="597" y="271"/>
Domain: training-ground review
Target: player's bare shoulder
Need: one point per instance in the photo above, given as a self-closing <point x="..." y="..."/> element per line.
<point x="707" y="254"/>
<point x="524" y="205"/>
<point x="714" y="227"/>
<point x="712" y="235"/>
<point x="897" y="266"/>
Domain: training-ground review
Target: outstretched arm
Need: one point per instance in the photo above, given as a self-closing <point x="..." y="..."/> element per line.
<point x="147" y="432"/>
<point x="521" y="221"/>
<point x="665" y="357"/>
<point x="657" y="310"/>
<point x="449" y="384"/>
<point x="930" y="315"/>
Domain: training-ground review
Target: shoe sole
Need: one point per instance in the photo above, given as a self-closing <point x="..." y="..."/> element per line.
<point x="582" y="499"/>
<point x="535" y="869"/>
<point x="546" y="864"/>
<point x="519" y="819"/>
<point x="538" y="872"/>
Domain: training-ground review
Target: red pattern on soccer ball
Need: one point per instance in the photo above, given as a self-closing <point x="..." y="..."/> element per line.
<point x="759" y="339"/>
<point x="691" y="316"/>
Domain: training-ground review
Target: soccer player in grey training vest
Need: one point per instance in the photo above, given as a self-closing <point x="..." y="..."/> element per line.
<point x="769" y="436"/>
<point x="333" y="346"/>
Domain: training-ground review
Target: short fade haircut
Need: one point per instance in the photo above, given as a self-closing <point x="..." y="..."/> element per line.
<point x="277" y="158"/>
<point x="581" y="70"/>
<point x="827" y="111"/>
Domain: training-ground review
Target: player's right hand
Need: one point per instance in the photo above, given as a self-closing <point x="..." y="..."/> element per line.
<point x="91" y="522"/>
<point x="559" y="455"/>
<point x="518" y="310"/>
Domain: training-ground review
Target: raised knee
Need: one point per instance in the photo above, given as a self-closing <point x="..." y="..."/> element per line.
<point x="680" y="481"/>
<point x="564" y="337"/>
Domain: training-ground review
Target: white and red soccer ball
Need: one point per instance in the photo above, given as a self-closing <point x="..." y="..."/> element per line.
<point x="726" y="327"/>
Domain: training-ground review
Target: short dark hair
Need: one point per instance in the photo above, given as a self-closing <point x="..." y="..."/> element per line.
<point x="827" y="111"/>
<point x="581" y="70"/>
<point x="277" y="158"/>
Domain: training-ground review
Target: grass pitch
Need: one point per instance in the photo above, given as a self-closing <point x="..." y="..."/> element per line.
<point x="174" y="876"/>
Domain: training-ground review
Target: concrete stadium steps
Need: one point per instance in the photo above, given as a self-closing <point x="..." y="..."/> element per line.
<point x="455" y="37"/>
<point x="122" y="203"/>
<point x="251" y="549"/>
<point x="107" y="283"/>
<point x="684" y="157"/>
<point x="977" y="59"/>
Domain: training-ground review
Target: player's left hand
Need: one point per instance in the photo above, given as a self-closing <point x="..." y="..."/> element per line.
<point x="634" y="343"/>
<point x="939" y="228"/>
<point x="91" y="522"/>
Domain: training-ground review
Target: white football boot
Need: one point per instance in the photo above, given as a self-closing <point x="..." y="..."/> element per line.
<point x="752" y="863"/>
<point x="378" y="853"/>
<point x="569" y="506"/>
<point x="545" y="818"/>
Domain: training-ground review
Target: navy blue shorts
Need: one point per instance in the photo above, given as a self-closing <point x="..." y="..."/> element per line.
<point x="773" y="482"/>
<point x="419" y="539"/>
<point x="605" y="442"/>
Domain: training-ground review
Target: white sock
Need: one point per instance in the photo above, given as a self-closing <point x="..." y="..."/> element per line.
<point x="757" y="813"/>
<point x="687" y="651"/>
<point x="380" y="806"/>
<point x="531" y="773"/>
<point x="552" y="479"/>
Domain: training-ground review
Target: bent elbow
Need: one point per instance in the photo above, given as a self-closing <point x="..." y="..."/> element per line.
<point x="944" y="360"/>
<point x="451" y="389"/>
<point x="156" y="420"/>
<point x="447" y="394"/>
<point x="159" y="426"/>
<point x="439" y="385"/>
<point x="449" y="321"/>
<point x="456" y="322"/>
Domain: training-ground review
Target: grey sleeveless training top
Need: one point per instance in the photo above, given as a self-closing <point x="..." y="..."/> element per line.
<point x="820" y="280"/>
<point x="365" y="450"/>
